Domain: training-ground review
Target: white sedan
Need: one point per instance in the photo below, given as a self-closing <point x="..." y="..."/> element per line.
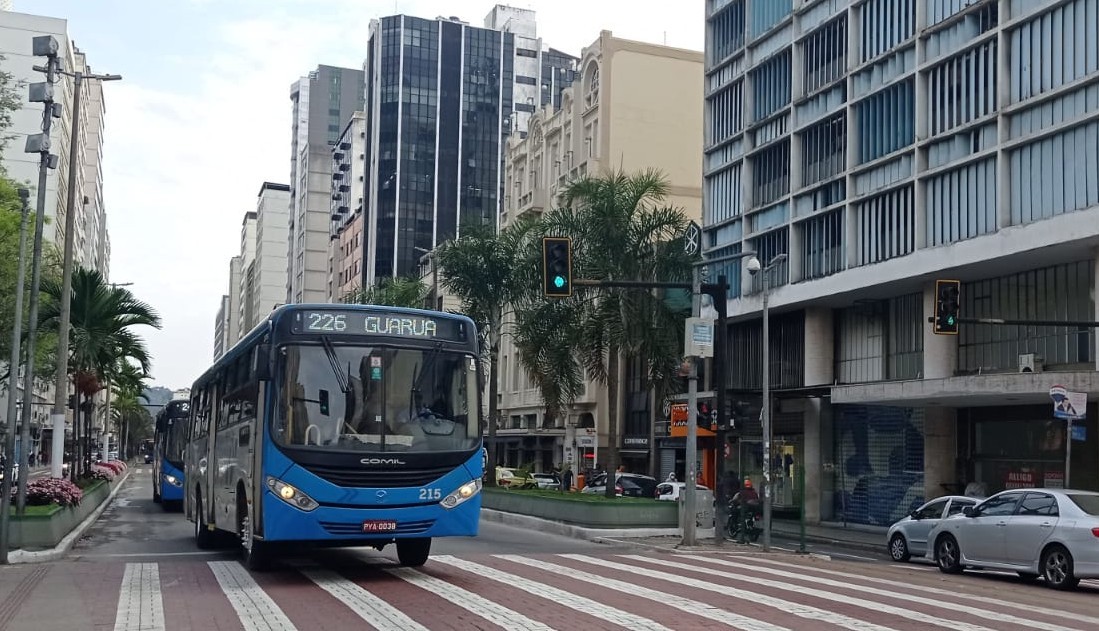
<point x="908" y="536"/>
<point x="1050" y="533"/>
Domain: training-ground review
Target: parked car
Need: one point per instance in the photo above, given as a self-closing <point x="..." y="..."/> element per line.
<point x="547" y="480"/>
<point x="514" y="479"/>
<point x="908" y="536"/>
<point x="672" y="491"/>
<point x="628" y="484"/>
<point x="1050" y="533"/>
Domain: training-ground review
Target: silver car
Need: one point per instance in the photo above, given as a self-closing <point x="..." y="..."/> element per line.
<point x="908" y="536"/>
<point x="1050" y="533"/>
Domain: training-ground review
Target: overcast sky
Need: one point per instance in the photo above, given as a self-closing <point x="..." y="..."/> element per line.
<point x="202" y="118"/>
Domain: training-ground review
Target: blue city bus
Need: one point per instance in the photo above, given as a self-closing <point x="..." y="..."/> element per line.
<point x="343" y="425"/>
<point x="169" y="441"/>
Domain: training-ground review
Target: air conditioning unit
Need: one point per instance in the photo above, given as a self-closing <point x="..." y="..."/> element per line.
<point x="1030" y="362"/>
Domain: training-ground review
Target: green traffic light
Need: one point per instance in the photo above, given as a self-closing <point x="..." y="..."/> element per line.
<point x="559" y="281"/>
<point x="950" y="320"/>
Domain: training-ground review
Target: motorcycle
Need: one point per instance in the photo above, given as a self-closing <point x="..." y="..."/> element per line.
<point x="748" y="526"/>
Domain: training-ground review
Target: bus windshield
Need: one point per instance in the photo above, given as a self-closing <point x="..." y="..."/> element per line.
<point x="175" y="435"/>
<point x="376" y="399"/>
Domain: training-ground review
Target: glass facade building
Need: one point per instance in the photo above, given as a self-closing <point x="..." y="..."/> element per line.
<point x="879" y="145"/>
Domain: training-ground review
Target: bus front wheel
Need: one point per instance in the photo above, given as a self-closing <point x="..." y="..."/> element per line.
<point x="254" y="553"/>
<point x="413" y="552"/>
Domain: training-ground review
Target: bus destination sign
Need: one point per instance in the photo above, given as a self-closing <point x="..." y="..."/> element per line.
<point x="378" y="323"/>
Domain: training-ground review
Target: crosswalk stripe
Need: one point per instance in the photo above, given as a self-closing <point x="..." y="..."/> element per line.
<point x="140" y="605"/>
<point x="256" y="610"/>
<point x="1075" y="617"/>
<point x="998" y="615"/>
<point x="693" y="607"/>
<point x="380" y="614"/>
<point x="471" y="602"/>
<point x="800" y="610"/>
<point x="558" y="596"/>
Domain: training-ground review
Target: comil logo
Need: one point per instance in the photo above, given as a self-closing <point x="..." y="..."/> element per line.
<point x="382" y="461"/>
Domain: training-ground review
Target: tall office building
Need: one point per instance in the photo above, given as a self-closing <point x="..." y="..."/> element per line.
<point x="345" y="250"/>
<point x="323" y="101"/>
<point x="863" y="150"/>
<point x="221" y="326"/>
<point x="440" y="97"/>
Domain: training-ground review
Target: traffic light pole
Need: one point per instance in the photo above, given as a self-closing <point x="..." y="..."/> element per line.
<point x="1012" y="322"/>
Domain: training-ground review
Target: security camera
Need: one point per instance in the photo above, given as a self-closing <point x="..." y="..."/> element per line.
<point x="753" y="265"/>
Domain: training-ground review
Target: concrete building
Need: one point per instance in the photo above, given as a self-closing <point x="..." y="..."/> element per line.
<point x="879" y="146"/>
<point x="269" y="268"/>
<point x="322" y="102"/>
<point x="611" y="118"/>
<point x="439" y="108"/>
<point x="246" y="318"/>
<point x="221" y="327"/>
<point x="345" y="250"/>
<point x="91" y="245"/>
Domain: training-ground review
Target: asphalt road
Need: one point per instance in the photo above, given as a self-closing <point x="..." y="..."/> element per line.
<point x="135" y="529"/>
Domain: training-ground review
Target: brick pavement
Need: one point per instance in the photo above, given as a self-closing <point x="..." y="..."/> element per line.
<point x="647" y="590"/>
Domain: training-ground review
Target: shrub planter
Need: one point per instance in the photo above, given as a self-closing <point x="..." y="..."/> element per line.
<point x="45" y="530"/>
<point x="586" y="513"/>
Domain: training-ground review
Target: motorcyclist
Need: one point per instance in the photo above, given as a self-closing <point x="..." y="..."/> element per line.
<point x="744" y="502"/>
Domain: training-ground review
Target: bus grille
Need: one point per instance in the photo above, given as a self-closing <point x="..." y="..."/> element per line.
<point x="374" y="478"/>
<point x="346" y="528"/>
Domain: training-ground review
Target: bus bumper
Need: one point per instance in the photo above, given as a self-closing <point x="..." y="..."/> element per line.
<point x="283" y="522"/>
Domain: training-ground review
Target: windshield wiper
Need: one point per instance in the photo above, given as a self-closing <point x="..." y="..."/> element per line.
<point x="342" y="379"/>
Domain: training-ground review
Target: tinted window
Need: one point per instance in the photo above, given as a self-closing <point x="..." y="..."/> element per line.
<point x="1038" y="504"/>
<point x="934" y="510"/>
<point x="957" y="506"/>
<point x="1087" y="503"/>
<point x="1001" y="505"/>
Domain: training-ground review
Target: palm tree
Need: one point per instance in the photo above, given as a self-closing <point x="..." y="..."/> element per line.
<point x="480" y="268"/>
<point x="392" y="292"/>
<point x="621" y="230"/>
<point x="100" y="335"/>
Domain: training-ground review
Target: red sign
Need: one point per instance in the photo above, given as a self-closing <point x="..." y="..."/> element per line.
<point x="379" y="525"/>
<point x="1019" y="480"/>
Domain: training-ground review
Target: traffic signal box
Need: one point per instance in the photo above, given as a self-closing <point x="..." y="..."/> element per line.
<point x="947" y="304"/>
<point x="557" y="266"/>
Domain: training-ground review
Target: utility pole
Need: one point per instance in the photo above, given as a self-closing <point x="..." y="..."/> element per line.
<point x="42" y="46"/>
<point x="13" y="378"/>
<point x="61" y="377"/>
<point x="720" y="295"/>
<point x="689" y="498"/>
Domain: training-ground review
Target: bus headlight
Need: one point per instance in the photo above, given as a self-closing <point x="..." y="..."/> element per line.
<point x="173" y="480"/>
<point x="462" y="493"/>
<point x="291" y="495"/>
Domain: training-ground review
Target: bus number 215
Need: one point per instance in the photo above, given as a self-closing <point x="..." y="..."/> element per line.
<point x="431" y="494"/>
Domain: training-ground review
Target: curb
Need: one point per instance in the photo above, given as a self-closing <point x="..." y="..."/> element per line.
<point x="58" y="551"/>
<point x="580" y="532"/>
<point x="839" y="543"/>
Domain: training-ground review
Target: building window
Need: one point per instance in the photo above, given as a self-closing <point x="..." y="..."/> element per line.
<point x="771" y="173"/>
<point x="771" y="85"/>
<point x="824" y="150"/>
<point x="963" y="88"/>
<point x="726" y="113"/>
<point x="727" y="31"/>
<point x="886" y="226"/>
<point x="886" y="121"/>
<point x="1060" y="292"/>
<point x="822" y="252"/>
<point x="723" y="195"/>
<point x="961" y="204"/>
<point x="885" y="25"/>
<point x="1055" y="175"/>
<point x="824" y="54"/>
<point x="879" y="340"/>
<point x="767" y="14"/>
<point x="1053" y="49"/>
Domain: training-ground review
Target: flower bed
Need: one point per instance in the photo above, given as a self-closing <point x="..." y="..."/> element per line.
<point x="44" y="525"/>
<point x="46" y="491"/>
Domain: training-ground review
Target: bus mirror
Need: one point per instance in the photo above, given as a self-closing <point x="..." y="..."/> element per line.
<point x="322" y="400"/>
<point x="262" y="367"/>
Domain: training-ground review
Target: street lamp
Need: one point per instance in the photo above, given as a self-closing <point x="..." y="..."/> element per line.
<point x="61" y="376"/>
<point x="753" y="268"/>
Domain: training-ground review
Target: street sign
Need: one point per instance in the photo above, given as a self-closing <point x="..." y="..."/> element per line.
<point x="692" y="239"/>
<point x="699" y="338"/>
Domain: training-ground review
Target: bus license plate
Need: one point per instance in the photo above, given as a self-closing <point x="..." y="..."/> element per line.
<point x="379" y="525"/>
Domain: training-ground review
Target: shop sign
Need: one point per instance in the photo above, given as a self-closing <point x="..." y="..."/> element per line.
<point x="585" y="442"/>
<point x="1019" y="479"/>
<point x="635" y="441"/>
<point x="1054" y="480"/>
<point x="1068" y="405"/>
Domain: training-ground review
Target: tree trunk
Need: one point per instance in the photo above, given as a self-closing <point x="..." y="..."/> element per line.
<point x="612" y="419"/>
<point x="493" y="405"/>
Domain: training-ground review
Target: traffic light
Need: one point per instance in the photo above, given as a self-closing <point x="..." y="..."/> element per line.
<point x="947" y="294"/>
<point x="557" y="266"/>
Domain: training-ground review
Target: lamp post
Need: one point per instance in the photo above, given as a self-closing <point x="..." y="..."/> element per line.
<point x="61" y="376"/>
<point x="754" y="267"/>
<point x="13" y="377"/>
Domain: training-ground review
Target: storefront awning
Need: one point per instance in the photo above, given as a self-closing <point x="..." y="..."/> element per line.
<point x="968" y="391"/>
